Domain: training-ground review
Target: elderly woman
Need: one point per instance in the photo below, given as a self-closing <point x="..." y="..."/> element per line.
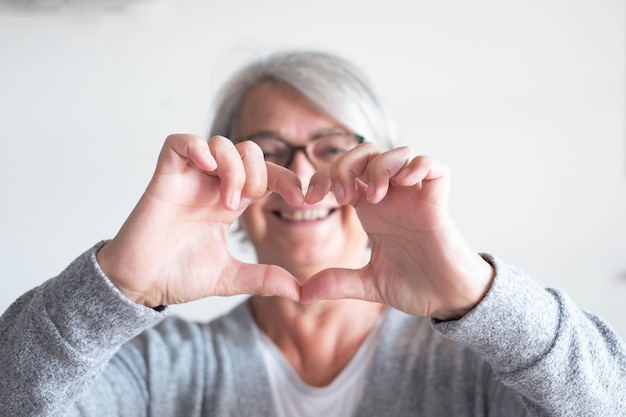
<point x="367" y="300"/>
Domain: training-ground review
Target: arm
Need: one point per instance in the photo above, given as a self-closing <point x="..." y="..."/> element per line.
<point x="562" y="360"/>
<point x="422" y="265"/>
<point x="56" y="339"/>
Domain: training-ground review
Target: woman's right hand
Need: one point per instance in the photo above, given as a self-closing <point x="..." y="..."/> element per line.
<point x="173" y="247"/>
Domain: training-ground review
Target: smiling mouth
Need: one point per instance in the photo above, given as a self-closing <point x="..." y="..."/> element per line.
<point x="305" y="215"/>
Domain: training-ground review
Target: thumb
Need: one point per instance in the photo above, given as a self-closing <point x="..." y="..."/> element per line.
<point x="338" y="283"/>
<point x="264" y="280"/>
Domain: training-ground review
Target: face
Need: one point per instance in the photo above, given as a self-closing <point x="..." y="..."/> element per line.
<point x="307" y="239"/>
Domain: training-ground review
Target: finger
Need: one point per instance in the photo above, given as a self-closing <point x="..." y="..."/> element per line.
<point x="338" y="283"/>
<point x="284" y="182"/>
<point x="348" y="168"/>
<point x="421" y="168"/>
<point x="255" y="185"/>
<point x="319" y="185"/>
<point x="382" y="169"/>
<point x="259" y="279"/>
<point x="179" y="149"/>
<point x="230" y="170"/>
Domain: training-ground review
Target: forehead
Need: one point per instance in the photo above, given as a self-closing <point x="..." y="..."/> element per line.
<point x="279" y="108"/>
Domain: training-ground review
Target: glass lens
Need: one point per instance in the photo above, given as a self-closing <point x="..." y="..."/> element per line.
<point x="274" y="150"/>
<point x="326" y="149"/>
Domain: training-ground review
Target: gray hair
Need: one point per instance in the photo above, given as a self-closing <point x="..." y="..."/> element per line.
<point x="330" y="83"/>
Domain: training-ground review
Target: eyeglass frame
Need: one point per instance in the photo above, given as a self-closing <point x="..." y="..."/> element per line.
<point x="304" y="148"/>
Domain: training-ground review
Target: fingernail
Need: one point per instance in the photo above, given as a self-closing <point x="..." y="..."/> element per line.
<point x="234" y="199"/>
<point x="309" y="191"/>
<point x="371" y="192"/>
<point x="403" y="173"/>
<point x="340" y="192"/>
<point x="210" y="160"/>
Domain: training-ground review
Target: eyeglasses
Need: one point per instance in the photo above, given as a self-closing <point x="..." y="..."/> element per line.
<point x="322" y="149"/>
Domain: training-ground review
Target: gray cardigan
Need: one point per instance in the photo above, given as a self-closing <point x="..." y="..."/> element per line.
<point x="75" y="346"/>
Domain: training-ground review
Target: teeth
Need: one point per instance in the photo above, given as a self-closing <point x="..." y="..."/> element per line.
<point x="305" y="215"/>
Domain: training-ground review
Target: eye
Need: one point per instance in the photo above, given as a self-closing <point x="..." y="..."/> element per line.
<point x="273" y="149"/>
<point x="331" y="146"/>
<point x="275" y="155"/>
<point x="331" y="149"/>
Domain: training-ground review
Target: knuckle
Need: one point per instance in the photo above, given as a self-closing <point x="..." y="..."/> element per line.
<point x="220" y="141"/>
<point x="249" y="149"/>
<point x="174" y="138"/>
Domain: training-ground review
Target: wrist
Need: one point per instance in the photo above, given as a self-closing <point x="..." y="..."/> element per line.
<point x="109" y="264"/>
<point x="464" y="276"/>
<point x="477" y="285"/>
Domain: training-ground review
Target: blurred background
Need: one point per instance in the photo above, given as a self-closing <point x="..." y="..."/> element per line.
<point x="524" y="99"/>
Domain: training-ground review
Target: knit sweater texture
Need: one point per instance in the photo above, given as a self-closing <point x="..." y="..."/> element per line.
<point x="76" y="346"/>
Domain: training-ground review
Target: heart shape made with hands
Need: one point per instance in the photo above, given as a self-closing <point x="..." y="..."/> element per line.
<point x="198" y="191"/>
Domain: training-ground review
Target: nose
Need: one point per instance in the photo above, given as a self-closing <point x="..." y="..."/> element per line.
<point x="302" y="166"/>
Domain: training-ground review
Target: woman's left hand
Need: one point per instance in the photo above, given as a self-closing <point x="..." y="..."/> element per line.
<point x="419" y="262"/>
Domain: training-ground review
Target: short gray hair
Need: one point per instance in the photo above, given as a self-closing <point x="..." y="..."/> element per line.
<point x="329" y="82"/>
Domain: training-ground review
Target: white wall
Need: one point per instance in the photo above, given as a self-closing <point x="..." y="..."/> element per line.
<point x="524" y="99"/>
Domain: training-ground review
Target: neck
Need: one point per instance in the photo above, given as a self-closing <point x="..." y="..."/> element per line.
<point x="317" y="339"/>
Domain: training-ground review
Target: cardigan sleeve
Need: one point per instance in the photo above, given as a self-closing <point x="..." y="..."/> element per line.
<point x="57" y="338"/>
<point x="562" y="360"/>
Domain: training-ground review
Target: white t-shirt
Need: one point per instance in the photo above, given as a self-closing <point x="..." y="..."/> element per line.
<point x="293" y="397"/>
